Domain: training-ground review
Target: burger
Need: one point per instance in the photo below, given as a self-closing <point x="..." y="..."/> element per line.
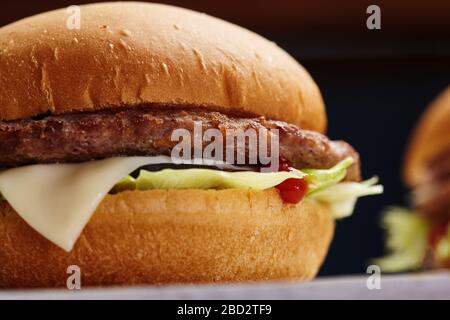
<point x="420" y="237"/>
<point x="93" y="174"/>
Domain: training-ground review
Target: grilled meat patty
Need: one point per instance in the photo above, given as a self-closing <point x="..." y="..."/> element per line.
<point x="147" y="131"/>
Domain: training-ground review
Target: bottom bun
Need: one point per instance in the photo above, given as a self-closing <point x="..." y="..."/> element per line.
<point x="440" y="264"/>
<point x="174" y="236"/>
<point x="437" y="262"/>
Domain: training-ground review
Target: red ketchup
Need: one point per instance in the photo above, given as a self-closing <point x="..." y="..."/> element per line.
<point x="291" y="190"/>
<point x="438" y="232"/>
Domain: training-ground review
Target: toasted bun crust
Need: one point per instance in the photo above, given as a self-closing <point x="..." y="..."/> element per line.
<point x="439" y="264"/>
<point x="133" y="53"/>
<point x="159" y="237"/>
<point x="430" y="138"/>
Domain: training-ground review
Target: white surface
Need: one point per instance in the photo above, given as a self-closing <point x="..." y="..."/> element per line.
<point x="413" y="286"/>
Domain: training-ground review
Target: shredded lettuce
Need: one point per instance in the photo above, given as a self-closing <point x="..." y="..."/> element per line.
<point x="342" y="197"/>
<point x="204" y="179"/>
<point x="319" y="179"/>
<point x="126" y="183"/>
<point x="324" y="185"/>
<point x="208" y="178"/>
<point x="442" y="251"/>
<point x="407" y="240"/>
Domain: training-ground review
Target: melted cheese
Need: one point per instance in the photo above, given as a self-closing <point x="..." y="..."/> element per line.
<point x="57" y="200"/>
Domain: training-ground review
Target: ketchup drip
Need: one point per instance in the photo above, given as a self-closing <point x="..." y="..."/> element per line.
<point x="291" y="190"/>
<point x="438" y="232"/>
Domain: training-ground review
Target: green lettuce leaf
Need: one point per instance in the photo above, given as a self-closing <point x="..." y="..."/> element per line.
<point x="407" y="240"/>
<point x="442" y="250"/>
<point x="323" y="185"/>
<point x="204" y="179"/>
<point x="319" y="179"/>
<point x="342" y="197"/>
<point x="216" y="179"/>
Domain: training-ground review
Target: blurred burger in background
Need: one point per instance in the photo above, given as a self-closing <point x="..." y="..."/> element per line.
<point x="88" y="178"/>
<point x="421" y="237"/>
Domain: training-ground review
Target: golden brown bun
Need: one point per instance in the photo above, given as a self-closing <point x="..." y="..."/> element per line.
<point x="430" y="138"/>
<point x="174" y="236"/>
<point x="132" y="53"/>
<point x="439" y="264"/>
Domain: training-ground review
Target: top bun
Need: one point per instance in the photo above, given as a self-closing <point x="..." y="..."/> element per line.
<point x="430" y="139"/>
<point x="132" y="53"/>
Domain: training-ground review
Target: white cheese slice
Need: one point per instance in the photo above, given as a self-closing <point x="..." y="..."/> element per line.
<point x="57" y="200"/>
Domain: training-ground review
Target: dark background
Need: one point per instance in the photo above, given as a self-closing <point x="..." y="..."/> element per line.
<point x="375" y="84"/>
